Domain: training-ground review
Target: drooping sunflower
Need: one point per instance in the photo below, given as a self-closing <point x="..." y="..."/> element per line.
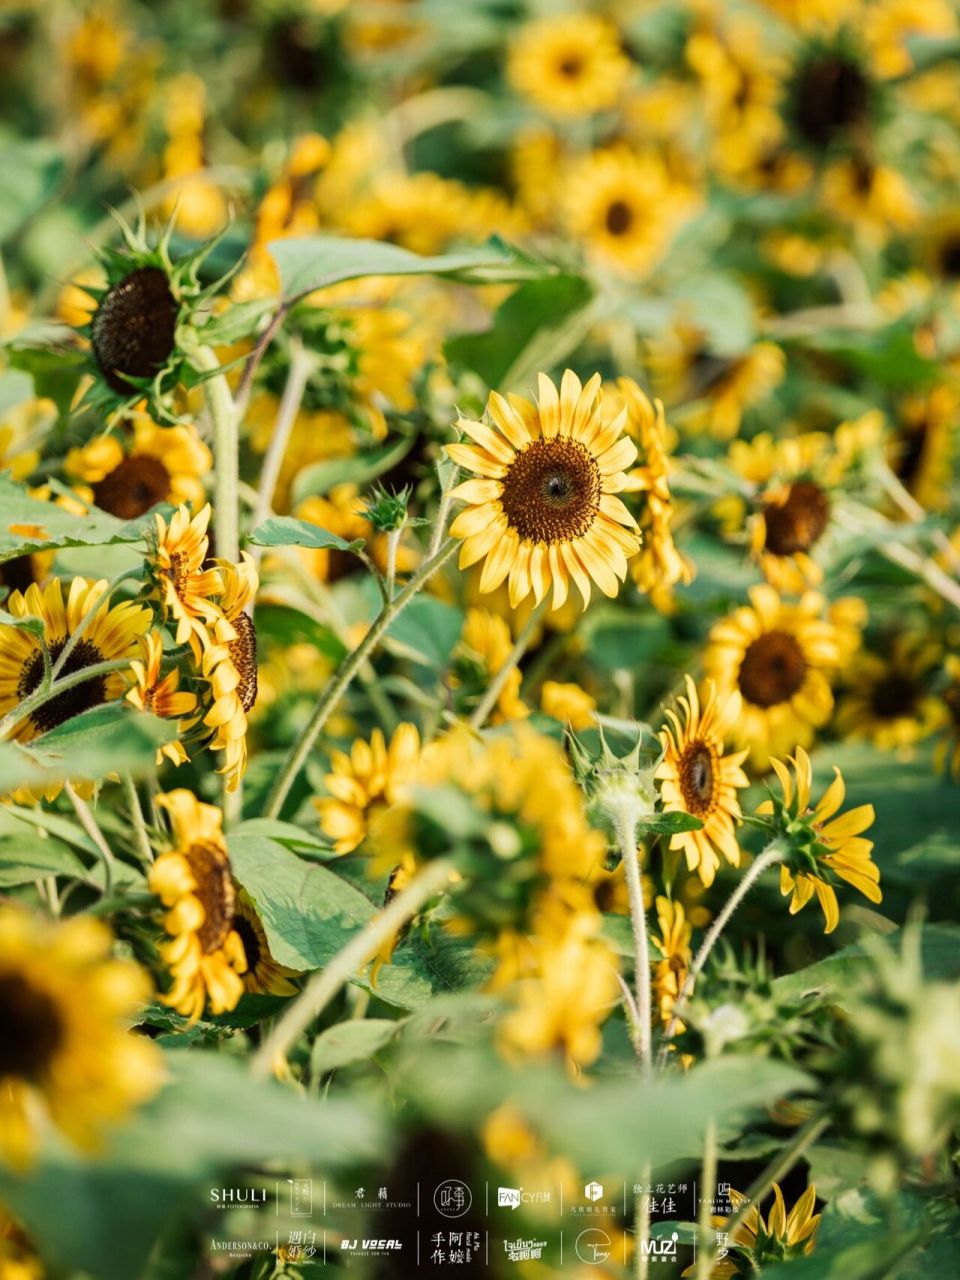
<point x="890" y="700"/>
<point x="923" y="445"/>
<point x="625" y="206"/>
<point x="822" y="847"/>
<point x="757" y="1243"/>
<point x="205" y="954"/>
<point x="263" y="974"/>
<point x="780" y="657"/>
<point x="697" y="778"/>
<point x="673" y="943"/>
<point x="543" y="507"/>
<point x="66" y="1053"/>
<point x="370" y="778"/>
<point x="569" y="65"/>
<point x="113" y="632"/>
<point x="159" y="694"/>
<point x="186" y="590"/>
<point x="145" y="464"/>
<point x="230" y="668"/>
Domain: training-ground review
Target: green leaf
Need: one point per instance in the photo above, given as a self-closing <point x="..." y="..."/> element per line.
<point x="31" y="173"/>
<point x="308" y="912"/>
<point x="29" y="525"/>
<point x="351" y="1042"/>
<point x="285" y="531"/>
<point x="667" y="824"/>
<point x="34" y="625"/>
<point x="871" y="1260"/>
<point x="307" y="263"/>
<point x="538" y="311"/>
<point x="90" y="746"/>
<point x="210" y="1118"/>
<point x="427" y="630"/>
<point x="28" y="857"/>
<point x="16" y="387"/>
<point x="359" y="469"/>
<point x="840" y="974"/>
<point x="721" y="308"/>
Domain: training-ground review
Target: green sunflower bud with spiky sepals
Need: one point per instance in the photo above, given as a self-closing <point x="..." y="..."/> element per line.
<point x="140" y="331"/>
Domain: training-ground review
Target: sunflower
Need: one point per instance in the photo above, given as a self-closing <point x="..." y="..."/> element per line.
<point x="569" y="704"/>
<point x="780" y="657"/>
<point x="230" y="667"/>
<point x="821" y="850"/>
<point x="18" y="1257"/>
<point x="923" y="445"/>
<point x="697" y="778"/>
<point x="370" y="778"/>
<point x="832" y="99"/>
<point x="485" y="645"/>
<point x="673" y="943"/>
<point x="205" y="955"/>
<point x="263" y="975"/>
<point x="792" y="520"/>
<point x="160" y="694"/>
<point x="757" y="1243"/>
<point x="148" y="464"/>
<point x="109" y="632"/>
<point x="625" y="206"/>
<point x="65" y="1052"/>
<point x="875" y="199"/>
<point x="543" y="508"/>
<point x="568" y="65"/>
<point x="186" y="589"/>
<point x="890" y="699"/>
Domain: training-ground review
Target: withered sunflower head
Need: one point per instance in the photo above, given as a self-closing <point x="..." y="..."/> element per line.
<point x="798" y="522"/>
<point x="147" y="300"/>
<point x="832" y="96"/>
<point x="552" y="490"/>
<point x="772" y="669"/>
<point x="133" y="487"/>
<point x="243" y="655"/>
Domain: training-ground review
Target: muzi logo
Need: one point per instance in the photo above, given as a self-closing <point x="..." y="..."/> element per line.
<point x="233" y="1197"/>
<point x="660" y="1248"/>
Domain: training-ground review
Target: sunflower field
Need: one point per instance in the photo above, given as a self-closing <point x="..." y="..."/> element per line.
<point x="479" y="639"/>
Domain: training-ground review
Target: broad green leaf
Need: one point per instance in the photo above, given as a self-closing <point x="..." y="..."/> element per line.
<point x="307" y="263"/>
<point x="27" y="524"/>
<point x="285" y="531"/>
<point x="427" y="630"/>
<point x="16" y="386"/>
<point x="721" y="308"/>
<point x="359" y="469"/>
<point x="91" y="745"/>
<point x="211" y="1118"/>
<point x="286" y="833"/>
<point x="28" y="857"/>
<point x="307" y="910"/>
<point x="535" y="314"/>
<point x="871" y="1260"/>
<point x="351" y="1042"/>
<point x="668" y="824"/>
<point x="839" y="975"/>
<point x="31" y="172"/>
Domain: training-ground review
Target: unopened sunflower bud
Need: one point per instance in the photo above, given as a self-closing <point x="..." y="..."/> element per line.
<point x="387" y="512"/>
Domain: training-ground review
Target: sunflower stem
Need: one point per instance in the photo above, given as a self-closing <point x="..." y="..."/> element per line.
<point x="500" y="676"/>
<point x="343" y="676"/>
<point x="301" y="366"/>
<point x="625" y="828"/>
<point x="223" y="414"/>
<point x="708" y="1188"/>
<point x="77" y="633"/>
<point x="770" y="856"/>
<point x="89" y="824"/>
<point x="642" y="1216"/>
<point x="393" y="545"/>
<point x="137" y="819"/>
<point x="361" y="948"/>
<point x="53" y="690"/>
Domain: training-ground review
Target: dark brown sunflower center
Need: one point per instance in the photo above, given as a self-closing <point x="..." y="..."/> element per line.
<point x="697" y="778"/>
<point x="571" y="66"/>
<point x="951" y="696"/>
<point x="17" y="574"/>
<point x="911" y="452"/>
<point x="797" y="523"/>
<point x="243" y="655"/>
<point x="211" y="870"/>
<point x="772" y="669"/>
<point x="619" y="217"/>
<point x="552" y="491"/>
<point x="136" y="485"/>
<point x="832" y="96"/>
<point x="894" y="696"/>
<point x="950" y="258"/>
<point x="133" y="328"/>
<point x="251" y="942"/>
<point x="31" y="1029"/>
<point x="66" y="705"/>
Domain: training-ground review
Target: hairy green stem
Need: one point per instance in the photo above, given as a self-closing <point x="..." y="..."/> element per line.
<point x="89" y="824"/>
<point x="41" y="696"/>
<point x="342" y="678"/>
<point x="708" y="1190"/>
<point x="226" y="452"/>
<point x="136" y="818"/>
<point x="361" y="948"/>
<point x="500" y="677"/>
<point x="301" y="366"/>
<point x="626" y="833"/>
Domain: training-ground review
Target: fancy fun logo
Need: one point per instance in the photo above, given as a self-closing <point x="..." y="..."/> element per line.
<point x="238" y="1197"/>
<point x="514" y="1197"/>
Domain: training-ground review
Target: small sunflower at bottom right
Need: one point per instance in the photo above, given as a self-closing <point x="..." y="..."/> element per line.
<point x="820" y="847"/>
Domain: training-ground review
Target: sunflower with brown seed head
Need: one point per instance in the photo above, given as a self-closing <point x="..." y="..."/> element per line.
<point x="205" y="954"/>
<point x="781" y="658"/>
<point x="66" y="1052"/>
<point x="186" y="590"/>
<point x="364" y="782"/>
<point x="159" y="694"/>
<point x="263" y="975"/>
<point x="569" y="65"/>
<point x="543" y="508"/>
<point x="697" y="778"/>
